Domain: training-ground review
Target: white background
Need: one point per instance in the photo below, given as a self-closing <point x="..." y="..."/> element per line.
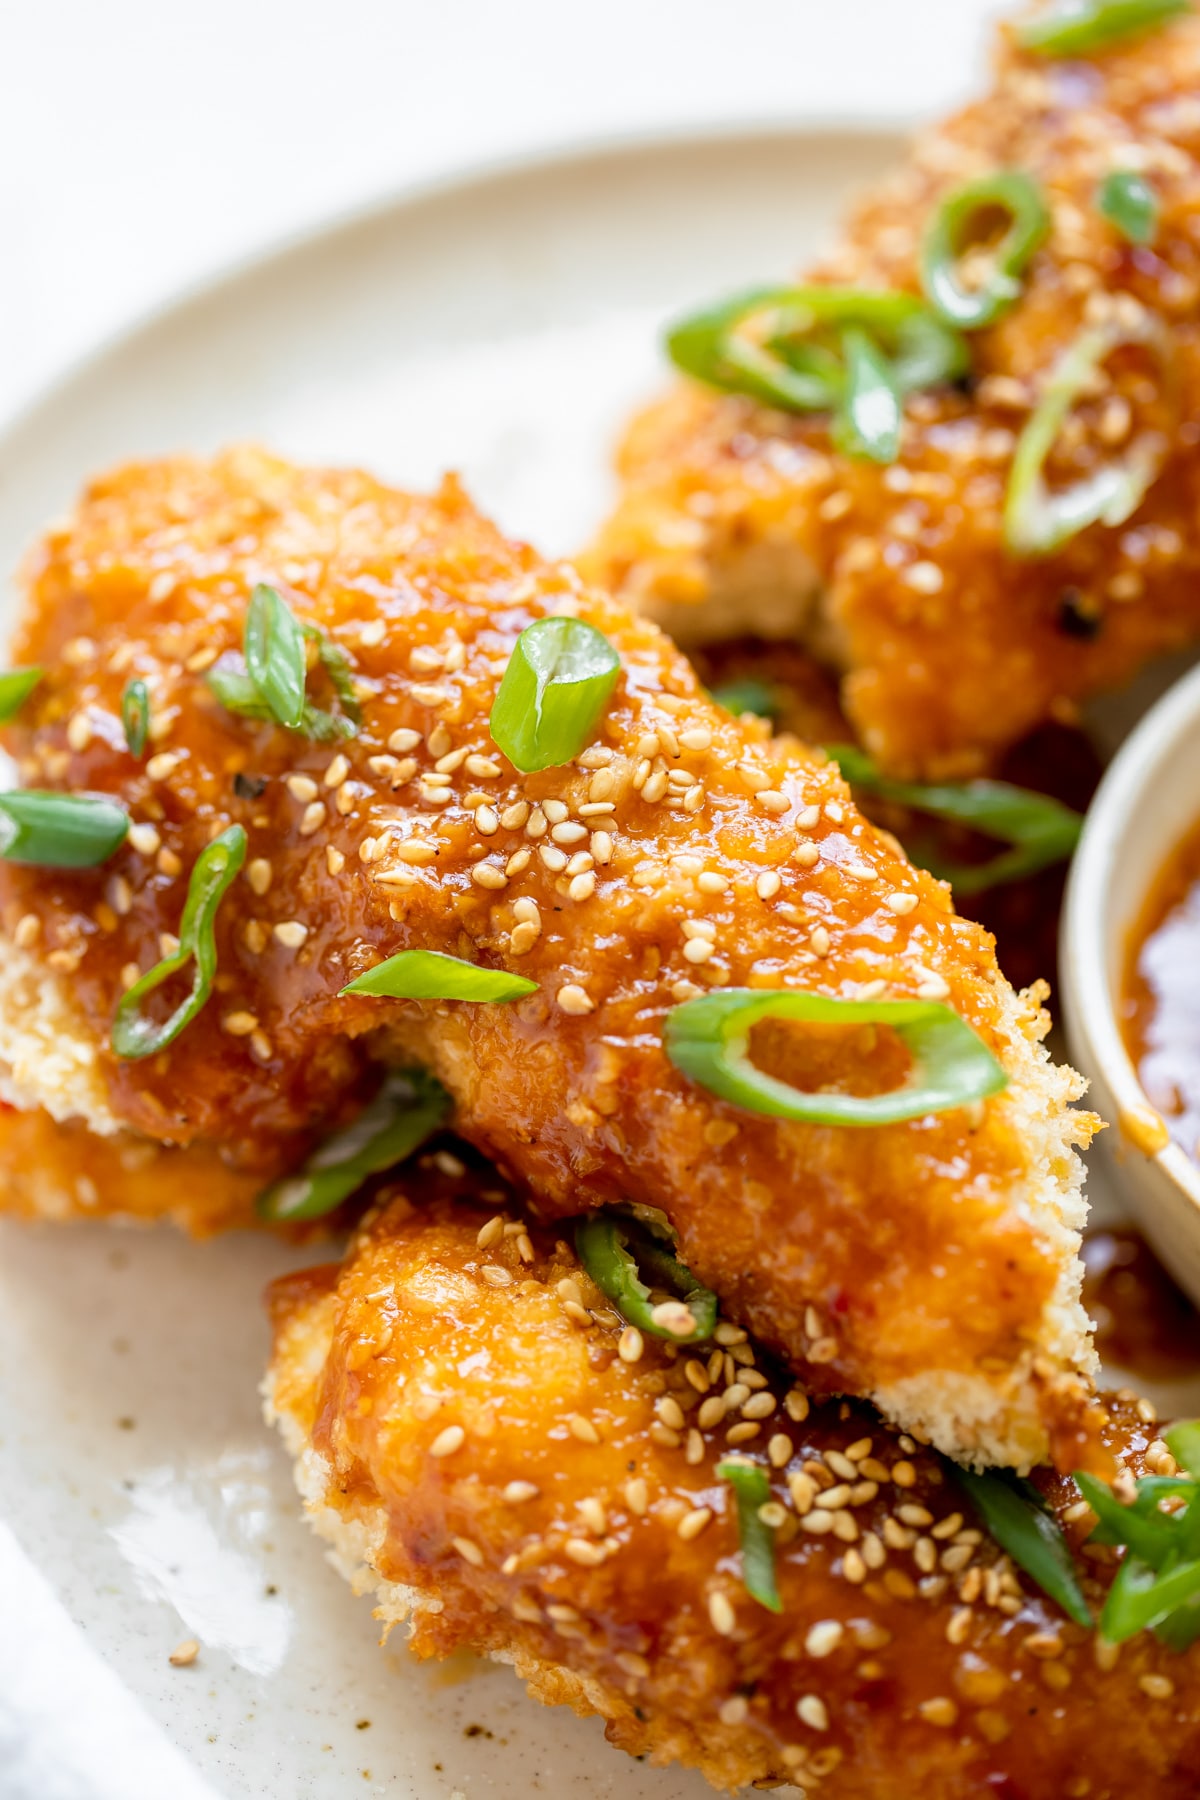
<point x="145" y="143"/>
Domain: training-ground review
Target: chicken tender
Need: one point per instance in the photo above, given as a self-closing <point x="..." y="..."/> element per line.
<point x="507" y="1468"/>
<point x="734" y="516"/>
<point x="932" y="1264"/>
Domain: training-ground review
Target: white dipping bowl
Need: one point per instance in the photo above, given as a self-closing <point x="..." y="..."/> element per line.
<point x="1147" y="802"/>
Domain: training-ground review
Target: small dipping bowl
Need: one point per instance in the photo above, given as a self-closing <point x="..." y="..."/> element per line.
<point x="1148" y="801"/>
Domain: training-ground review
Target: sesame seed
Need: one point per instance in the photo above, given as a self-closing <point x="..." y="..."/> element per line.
<point x="583" y="1429"/>
<point x="587" y="1554"/>
<point x="335" y="860"/>
<point x="941" y="1712"/>
<point x="759" y="1406"/>
<point x="771" y="800"/>
<point x="291" y="933"/>
<point x="734" y="1711"/>
<point x="185" y="1654"/>
<point x="28" y="931"/>
<point x="637" y="1496"/>
<point x="812" y="1712"/>
<point x="313" y="818"/>
<point x="239" y="1024"/>
<point x="486" y="875"/>
<point x="795" y="1405"/>
<point x="593" y="1515"/>
<point x="917" y="1516"/>
<point x="817" y="1521"/>
<point x="854" y="1568"/>
<point x="1157" y="1687"/>
<point x="742" y="1432"/>
<point x="468" y="1551"/>
<point x="144" y="839"/>
<point x="722" y="1615"/>
<point x="302" y="787"/>
<point x="630" y="1345"/>
<point x="824" y="1637"/>
<point x="693" y="1523"/>
<point x="517" y="1491"/>
<point x="582" y="887"/>
<point x="160" y="766"/>
<point x="670" y="1412"/>
<point x="404" y="739"/>
<point x="819" y="941"/>
<point x="575" y="1001"/>
<point x="495" y="1276"/>
<point x="448" y="1441"/>
<point x="428" y="693"/>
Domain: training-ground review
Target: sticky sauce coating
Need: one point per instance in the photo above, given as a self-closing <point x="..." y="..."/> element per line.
<point x="1160" y="1001"/>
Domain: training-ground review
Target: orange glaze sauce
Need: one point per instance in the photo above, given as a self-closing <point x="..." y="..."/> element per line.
<point x="1144" y="1324"/>
<point x="1160" y="999"/>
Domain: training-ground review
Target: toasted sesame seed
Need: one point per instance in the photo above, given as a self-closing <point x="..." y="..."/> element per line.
<point x="721" y="1615"/>
<point x="813" y="1712"/>
<point x="495" y="1275"/>
<point x="817" y="1521"/>
<point x="734" y="1711"/>
<point x="630" y="1345"/>
<point x="583" y="1429"/>
<point x="185" y="1654"/>
<point x="487" y="875"/>
<point x="404" y="739"/>
<point x="313" y="818"/>
<point x="795" y="1405"/>
<point x="637" y="1496"/>
<point x="302" y="787"/>
<point x="239" y="1024"/>
<point x="854" y="1568"/>
<point x="771" y="800"/>
<point x="941" y="1711"/>
<point x="759" y="1406"/>
<point x="291" y="933"/>
<point x="469" y="1551"/>
<point x="693" y="1523"/>
<point x="160" y="766"/>
<point x="517" y="1491"/>
<point x="670" y="1412"/>
<point x="448" y="1441"/>
<point x="487" y="822"/>
<point x="144" y="839"/>
<point x="824" y="1637"/>
<point x="594" y="1516"/>
<point x="552" y="858"/>
<point x="742" y="1432"/>
<point x="1157" y="1687"/>
<point x="584" y="1552"/>
<point x="28" y="931"/>
<point x="574" y="1000"/>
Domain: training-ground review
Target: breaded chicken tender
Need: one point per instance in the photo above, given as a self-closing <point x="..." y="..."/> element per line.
<point x="734" y="516"/>
<point x="507" y="1468"/>
<point x="932" y="1264"/>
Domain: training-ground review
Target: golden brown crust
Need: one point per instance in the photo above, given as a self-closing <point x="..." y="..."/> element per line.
<point x="952" y="649"/>
<point x="454" y="1354"/>
<point x="932" y="1263"/>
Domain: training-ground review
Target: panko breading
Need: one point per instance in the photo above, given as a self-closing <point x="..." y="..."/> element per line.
<point x="735" y="517"/>
<point x="932" y="1265"/>
<point x="486" y="1449"/>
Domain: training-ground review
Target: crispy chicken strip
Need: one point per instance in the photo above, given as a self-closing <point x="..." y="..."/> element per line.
<point x="932" y="1264"/>
<point x="736" y="517"/>
<point x="539" y="1485"/>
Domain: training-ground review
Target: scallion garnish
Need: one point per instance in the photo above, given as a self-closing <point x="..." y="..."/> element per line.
<point x="746" y="695"/>
<point x="135" y="716"/>
<point x="557" y="684"/>
<point x="626" y="1261"/>
<point x="1077" y="27"/>
<point x="133" y="1034"/>
<point x="59" y="831"/>
<point x="970" y="307"/>
<point x="409" y="1107"/>
<point x="708" y="1040"/>
<point x="1019" y="1520"/>
<point x="1037" y="521"/>
<point x="752" y="1491"/>
<point x="871" y="412"/>
<point x="271" y="682"/>
<point x="431" y="975"/>
<point x="795" y="348"/>
<point x="1040" y="830"/>
<point x="1127" y="199"/>
<point x="16" y="685"/>
<point x="1157" y="1586"/>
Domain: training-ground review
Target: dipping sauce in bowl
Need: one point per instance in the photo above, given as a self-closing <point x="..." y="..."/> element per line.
<point x="1160" y="997"/>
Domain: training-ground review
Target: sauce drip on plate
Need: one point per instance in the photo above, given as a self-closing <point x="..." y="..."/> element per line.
<point x="1144" y="1324"/>
<point x="1160" y="1002"/>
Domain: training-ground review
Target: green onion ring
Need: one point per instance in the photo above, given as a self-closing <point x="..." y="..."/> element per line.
<point x="1128" y="201"/>
<point x="431" y="975"/>
<point x="752" y="1491"/>
<point x="52" y="830"/>
<point x="1038" y="522"/>
<point x="616" y="1251"/>
<point x="409" y="1107"/>
<point x="135" y="717"/>
<point x="16" y="685"/>
<point x="558" y="682"/>
<point x="1042" y="831"/>
<point x="1143" y="1598"/>
<point x="969" y="309"/>
<point x="1183" y="1441"/>
<point x="134" y="1035"/>
<point x="871" y="412"/>
<point x="707" y="1039"/>
<point x="275" y="655"/>
<point x="1077" y="27"/>
<point x="1017" y="1517"/>
<point x="1157" y="1586"/>
<point x="771" y="344"/>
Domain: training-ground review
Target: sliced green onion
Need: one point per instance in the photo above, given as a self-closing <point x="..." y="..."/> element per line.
<point x="752" y="1491"/>
<point x="1183" y="1441"/>
<point x="868" y="420"/>
<point x="1142" y="1597"/>
<point x="271" y="684"/>
<point x="1041" y="831"/>
<point x="708" y="1040"/>
<point x="557" y="683"/>
<point x="408" y="1109"/>
<point x="1077" y="27"/>
<point x="786" y="347"/>
<point x="1038" y="522"/>
<point x="617" y="1252"/>
<point x="1017" y="1517"/>
<point x="59" y="831"/>
<point x="971" y="308"/>
<point x="1130" y="203"/>
<point x="275" y="655"/>
<point x="1151" y="1534"/>
<point x="133" y="1034"/>
<point x="430" y="975"/>
<point x="746" y="695"/>
<point x="135" y="716"/>
<point x="16" y="685"/>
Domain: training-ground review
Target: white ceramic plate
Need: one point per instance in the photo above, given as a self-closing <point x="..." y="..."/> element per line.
<point x="503" y="326"/>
